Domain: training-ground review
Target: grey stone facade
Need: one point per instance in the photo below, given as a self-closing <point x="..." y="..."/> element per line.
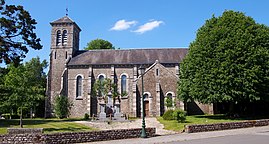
<point x="68" y="63"/>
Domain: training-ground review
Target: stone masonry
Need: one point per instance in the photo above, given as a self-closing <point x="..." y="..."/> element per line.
<point x="75" y="137"/>
<point x="68" y="63"/>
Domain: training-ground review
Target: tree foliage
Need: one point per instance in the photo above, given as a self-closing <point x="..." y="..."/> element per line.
<point x="169" y="102"/>
<point x="102" y="87"/>
<point x="99" y="44"/>
<point x="62" y="106"/>
<point x="26" y="84"/>
<point x="227" y="62"/>
<point x="4" y="91"/>
<point x="17" y="33"/>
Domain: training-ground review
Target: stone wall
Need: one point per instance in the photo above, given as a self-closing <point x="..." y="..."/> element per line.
<point x="13" y="131"/>
<point x="75" y="137"/>
<point x="80" y="104"/>
<point x="225" y="126"/>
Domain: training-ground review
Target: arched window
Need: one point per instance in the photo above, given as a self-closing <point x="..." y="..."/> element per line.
<point x="58" y="38"/>
<point x="169" y="95"/>
<point x="101" y="80"/>
<point x="79" y="86"/>
<point x="123" y="85"/>
<point x="169" y="100"/>
<point x="64" y="40"/>
<point x="146" y="96"/>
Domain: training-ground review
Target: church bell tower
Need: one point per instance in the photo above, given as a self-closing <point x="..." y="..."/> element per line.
<point x="64" y="45"/>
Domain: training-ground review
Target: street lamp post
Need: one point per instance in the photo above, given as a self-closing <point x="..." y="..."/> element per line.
<point x="143" y="132"/>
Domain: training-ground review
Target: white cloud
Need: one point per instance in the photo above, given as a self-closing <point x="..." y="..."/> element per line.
<point x="123" y="25"/>
<point x="148" y="26"/>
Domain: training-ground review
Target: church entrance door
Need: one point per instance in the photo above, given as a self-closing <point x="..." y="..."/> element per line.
<point x="146" y="108"/>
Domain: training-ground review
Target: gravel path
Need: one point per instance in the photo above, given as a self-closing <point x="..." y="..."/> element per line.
<point x="150" y="122"/>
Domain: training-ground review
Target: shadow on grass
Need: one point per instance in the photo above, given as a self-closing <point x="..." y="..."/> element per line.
<point x="186" y="121"/>
<point x="225" y="117"/>
<point x="16" y="122"/>
<point x="9" y="123"/>
<point x="216" y="117"/>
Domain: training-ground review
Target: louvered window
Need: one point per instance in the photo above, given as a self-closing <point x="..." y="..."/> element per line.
<point x="64" y="37"/>
<point x="58" y="38"/>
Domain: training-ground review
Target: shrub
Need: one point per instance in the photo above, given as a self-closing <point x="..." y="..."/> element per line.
<point x="179" y="115"/>
<point x="169" y="102"/>
<point x="86" y="116"/>
<point x="168" y="115"/>
<point x="6" y="116"/>
<point x="62" y="107"/>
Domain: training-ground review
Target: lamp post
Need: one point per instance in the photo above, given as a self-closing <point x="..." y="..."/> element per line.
<point x="143" y="132"/>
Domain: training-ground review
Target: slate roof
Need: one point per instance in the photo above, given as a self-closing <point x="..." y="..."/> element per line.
<point x="129" y="56"/>
<point x="64" y="20"/>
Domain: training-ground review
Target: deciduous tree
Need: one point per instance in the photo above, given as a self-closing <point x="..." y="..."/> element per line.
<point x="227" y="62"/>
<point x="27" y="83"/>
<point x="4" y="92"/>
<point x="99" y="44"/>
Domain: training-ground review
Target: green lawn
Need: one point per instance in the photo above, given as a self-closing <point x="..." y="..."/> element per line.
<point x="197" y="119"/>
<point x="49" y="125"/>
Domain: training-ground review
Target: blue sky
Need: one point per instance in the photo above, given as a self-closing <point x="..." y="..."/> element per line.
<point x="137" y="23"/>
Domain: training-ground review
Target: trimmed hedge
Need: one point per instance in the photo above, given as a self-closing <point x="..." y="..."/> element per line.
<point x="177" y="114"/>
<point x="168" y="115"/>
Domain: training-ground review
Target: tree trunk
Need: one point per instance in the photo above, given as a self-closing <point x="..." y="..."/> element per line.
<point x="45" y="113"/>
<point x="231" y="109"/>
<point x="21" y="126"/>
<point x="11" y="114"/>
<point x="31" y="113"/>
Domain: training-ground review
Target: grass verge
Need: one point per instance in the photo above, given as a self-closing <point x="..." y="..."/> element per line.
<point x="48" y="125"/>
<point x="197" y="119"/>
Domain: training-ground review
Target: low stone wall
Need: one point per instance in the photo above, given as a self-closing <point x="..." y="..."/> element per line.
<point x="75" y="137"/>
<point x="25" y="130"/>
<point x="225" y="126"/>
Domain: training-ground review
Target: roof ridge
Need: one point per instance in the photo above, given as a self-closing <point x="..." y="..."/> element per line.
<point x="132" y="49"/>
<point x="127" y="56"/>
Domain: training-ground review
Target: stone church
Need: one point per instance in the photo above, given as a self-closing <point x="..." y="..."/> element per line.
<point x="73" y="72"/>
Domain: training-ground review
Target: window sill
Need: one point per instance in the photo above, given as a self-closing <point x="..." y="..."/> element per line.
<point x="125" y="97"/>
<point x="79" y="98"/>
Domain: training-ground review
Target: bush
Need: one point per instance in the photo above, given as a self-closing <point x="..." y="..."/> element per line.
<point x="15" y="116"/>
<point x="6" y="116"/>
<point x="179" y="115"/>
<point x="86" y="116"/>
<point x="62" y="107"/>
<point x="169" y="102"/>
<point x="10" y="116"/>
<point x="168" y="115"/>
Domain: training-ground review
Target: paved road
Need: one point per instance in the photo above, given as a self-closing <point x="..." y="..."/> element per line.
<point x="256" y="135"/>
<point x="235" y="139"/>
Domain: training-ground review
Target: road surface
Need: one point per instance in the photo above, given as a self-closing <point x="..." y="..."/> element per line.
<point x="255" y="135"/>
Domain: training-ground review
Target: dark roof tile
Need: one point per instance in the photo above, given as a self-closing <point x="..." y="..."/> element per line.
<point x="129" y="56"/>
